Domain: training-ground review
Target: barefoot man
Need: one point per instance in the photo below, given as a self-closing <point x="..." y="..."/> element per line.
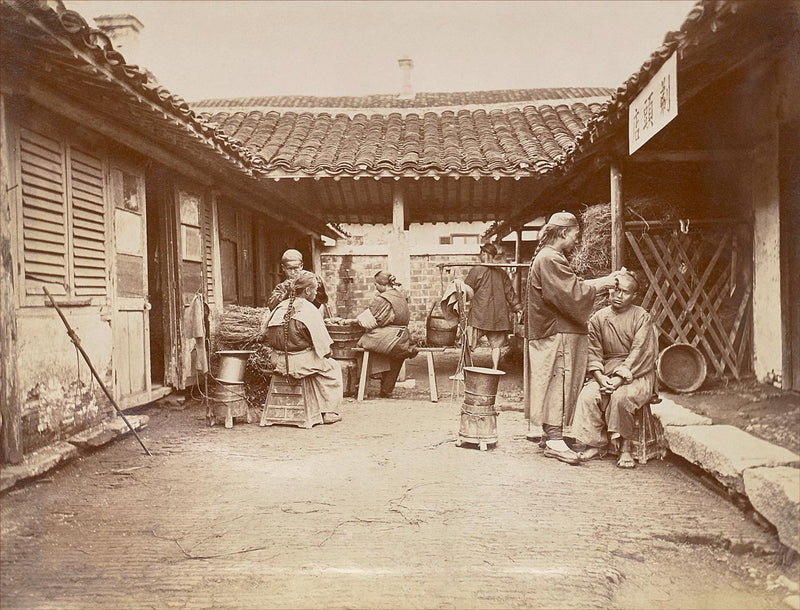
<point x="557" y="311"/>
<point x="622" y="360"/>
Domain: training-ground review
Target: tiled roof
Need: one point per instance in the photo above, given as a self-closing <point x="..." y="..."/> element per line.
<point x="707" y="19"/>
<point x="703" y="44"/>
<point x="507" y="132"/>
<point x="36" y="37"/>
<point x="420" y="100"/>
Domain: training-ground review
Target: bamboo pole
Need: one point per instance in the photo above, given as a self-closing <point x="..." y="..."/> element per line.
<point x="76" y="340"/>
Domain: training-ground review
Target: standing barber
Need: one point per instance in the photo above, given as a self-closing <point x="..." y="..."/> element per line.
<point x="292" y="265"/>
<point x="556" y="333"/>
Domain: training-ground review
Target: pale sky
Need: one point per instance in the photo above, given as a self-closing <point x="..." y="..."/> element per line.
<point x="213" y="48"/>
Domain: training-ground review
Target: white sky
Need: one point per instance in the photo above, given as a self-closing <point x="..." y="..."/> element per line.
<point x="212" y="48"/>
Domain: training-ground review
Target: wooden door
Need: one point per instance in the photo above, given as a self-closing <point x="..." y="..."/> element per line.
<point x="131" y="307"/>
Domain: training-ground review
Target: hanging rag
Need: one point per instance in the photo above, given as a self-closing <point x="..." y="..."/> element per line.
<point x="195" y="358"/>
<point x="449" y="300"/>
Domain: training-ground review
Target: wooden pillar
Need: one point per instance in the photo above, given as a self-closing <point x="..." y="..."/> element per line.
<point x="10" y="399"/>
<point x="518" y="259"/>
<point x="399" y="255"/>
<point x="617" y="218"/>
<point x="316" y="256"/>
<point x="216" y="260"/>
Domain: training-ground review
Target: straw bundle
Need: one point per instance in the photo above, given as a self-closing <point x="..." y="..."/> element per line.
<point x="257" y="374"/>
<point x="240" y="327"/>
<point x="593" y="256"/>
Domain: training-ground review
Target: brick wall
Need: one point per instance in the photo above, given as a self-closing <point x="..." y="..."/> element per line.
<point x="349" y="281"/>
<point x="348" y="278"/>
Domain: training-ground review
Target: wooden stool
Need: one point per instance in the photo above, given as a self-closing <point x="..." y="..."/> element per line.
<point x="428" y="351"/>
<point x="648" y="440"/>
<point x="648" y="436"/>
<point x="285" y="403"/>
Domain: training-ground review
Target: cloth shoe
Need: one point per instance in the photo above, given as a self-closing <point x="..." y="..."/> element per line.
<point x="568" y="456"/>
<point x="331" y="418"/>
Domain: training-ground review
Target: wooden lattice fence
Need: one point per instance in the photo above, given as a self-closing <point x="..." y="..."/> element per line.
<point x="699" y="287"/>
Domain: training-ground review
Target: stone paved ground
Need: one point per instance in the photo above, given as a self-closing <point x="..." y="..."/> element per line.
<point x="381" y="510"/>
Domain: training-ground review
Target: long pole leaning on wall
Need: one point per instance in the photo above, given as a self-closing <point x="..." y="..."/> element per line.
<point x="76" y="340"/>
<point x="10" y="399"/>
<point x="617" y="217"/>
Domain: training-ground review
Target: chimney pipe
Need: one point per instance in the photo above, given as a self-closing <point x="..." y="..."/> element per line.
<point x="406" y="65"/>
<point x="123" y="30"/>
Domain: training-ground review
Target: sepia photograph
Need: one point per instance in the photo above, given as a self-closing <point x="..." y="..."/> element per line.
<point x="396" y="304"/>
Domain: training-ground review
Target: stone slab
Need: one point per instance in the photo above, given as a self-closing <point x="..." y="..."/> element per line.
<point x="107" y="431"/>
<point x="726" y="451"/>
<point x="775" y="493"/>
<point x="37" y="463"/>
<point x="670" y="413"/>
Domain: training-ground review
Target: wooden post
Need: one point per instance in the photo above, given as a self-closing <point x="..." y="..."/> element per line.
<point x="216" y="260"/>
<point x="617" y="218"/>
<point x="10" y="400"/>
<point x="399" y="257"/>
<point x="517" y="259"/>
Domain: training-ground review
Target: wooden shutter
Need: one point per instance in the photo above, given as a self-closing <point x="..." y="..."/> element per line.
<point x="208" y="260"/>
<point x="88" y="224"/>
<point x="43" y="213"/>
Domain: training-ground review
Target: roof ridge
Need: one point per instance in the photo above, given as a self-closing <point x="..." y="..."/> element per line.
<point x="420" y="99"/>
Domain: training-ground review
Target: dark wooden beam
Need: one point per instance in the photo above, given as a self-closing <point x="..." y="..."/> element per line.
<point x="10" y="399"/>
<point x="689" y="156"/>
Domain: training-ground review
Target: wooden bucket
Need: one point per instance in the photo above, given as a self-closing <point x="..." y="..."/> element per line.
<point x="231" y="365"/>
<point x="345" y="338"/>
<point x="478" y="415"/>
<point x="229" y="401"/>
<point x="440" y="331"/>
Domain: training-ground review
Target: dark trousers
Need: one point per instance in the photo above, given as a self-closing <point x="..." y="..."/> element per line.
<point x="389" y="378"/>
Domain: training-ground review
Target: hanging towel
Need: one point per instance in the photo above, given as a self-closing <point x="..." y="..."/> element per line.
<point x="195" y="359"/>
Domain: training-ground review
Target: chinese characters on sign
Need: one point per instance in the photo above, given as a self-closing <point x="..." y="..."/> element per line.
<point x="655" y="106"/>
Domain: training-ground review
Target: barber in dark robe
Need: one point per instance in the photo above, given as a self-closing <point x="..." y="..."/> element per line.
<point x="556" y="333"/>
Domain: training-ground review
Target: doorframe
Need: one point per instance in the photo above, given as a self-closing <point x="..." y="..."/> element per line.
<point x="138" y="170"/>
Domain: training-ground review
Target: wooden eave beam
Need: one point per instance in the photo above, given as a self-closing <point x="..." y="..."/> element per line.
<point x="690" y="156"/>
<point x="109" y="75"/>
<point x="67" y="108"/>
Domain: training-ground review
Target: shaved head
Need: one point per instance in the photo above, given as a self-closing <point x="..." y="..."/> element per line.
<point x="291" y="255"/>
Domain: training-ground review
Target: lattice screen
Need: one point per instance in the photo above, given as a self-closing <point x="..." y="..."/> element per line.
<point x="700" y="288"/>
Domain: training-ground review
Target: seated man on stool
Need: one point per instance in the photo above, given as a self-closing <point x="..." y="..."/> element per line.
<point x="622" y="357"/>
<point x="301" y="349"/>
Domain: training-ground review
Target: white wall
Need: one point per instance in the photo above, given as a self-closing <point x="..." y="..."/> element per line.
<point x="767" y="328"/>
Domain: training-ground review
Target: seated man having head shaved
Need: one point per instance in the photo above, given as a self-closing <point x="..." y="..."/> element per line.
<point x="292" y="265"/>
<point x="622" y="359"/>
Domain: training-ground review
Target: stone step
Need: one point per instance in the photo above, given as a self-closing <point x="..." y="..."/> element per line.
<point x="726" y="451"/>
<point x="775" y="493"/>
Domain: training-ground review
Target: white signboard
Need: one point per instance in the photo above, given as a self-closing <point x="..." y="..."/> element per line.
<point x="655" y="106"/>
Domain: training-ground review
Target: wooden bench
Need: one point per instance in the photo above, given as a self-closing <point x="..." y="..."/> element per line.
<point x="428" y="351"/>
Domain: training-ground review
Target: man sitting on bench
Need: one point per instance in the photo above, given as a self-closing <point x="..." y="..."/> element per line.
<point x="301" y="349"/>
<point x="622" y="357"/>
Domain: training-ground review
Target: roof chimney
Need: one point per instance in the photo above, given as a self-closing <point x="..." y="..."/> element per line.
<point x="406" y="65"/>
<point x="123" y="30"/>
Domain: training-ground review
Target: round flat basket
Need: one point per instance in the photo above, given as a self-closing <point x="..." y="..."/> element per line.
<point x="681" y="367"/>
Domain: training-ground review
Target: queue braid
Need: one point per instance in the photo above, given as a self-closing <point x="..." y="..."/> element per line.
<point x="548" y="235"/>
<point x="286" y="317"/>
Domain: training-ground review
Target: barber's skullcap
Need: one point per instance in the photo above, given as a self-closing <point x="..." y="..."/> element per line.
<point x="563" y="219"/>
<point x="291" y="255"/>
